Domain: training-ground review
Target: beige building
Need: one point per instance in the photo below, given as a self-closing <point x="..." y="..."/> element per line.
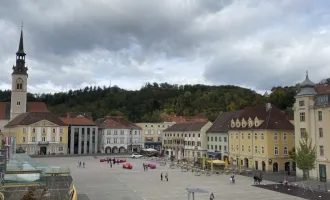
<point x="152" y="134"/>
<point x="186" y="139"/>
<point x="311" y="116"/>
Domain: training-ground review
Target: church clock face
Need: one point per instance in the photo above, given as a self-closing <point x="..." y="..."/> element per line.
<point x="19" y="80"/>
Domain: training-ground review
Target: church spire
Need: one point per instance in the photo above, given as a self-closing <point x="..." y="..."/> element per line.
<point x="21" y="44"/>
<point x="20" y="67"/>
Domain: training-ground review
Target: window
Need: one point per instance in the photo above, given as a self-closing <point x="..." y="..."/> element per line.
<point x="302" y="132"/>
<point x="249" y="149"/>
<point x="54" y="130"/>
<point x="108" y="132"/>
<point x="208" y="139"/>
<point x="301" y="103"/>
<point x="321" y="132"/>
<point x="108" y="140"/>
<point x="61" y="131"/>
<point x="23" y="139"/>
<point x="255" y="136"/>
<point x="256" y="123"/>
<point x="242" y="136"/>
<point x="208" y="146"/>
<point x="60" y="148"/>
<point x="53" y="139"/>
<point x="33" y="139"/>
<point x="255" y="149"/>
<point x="212" y="147"/>
<point x="275" y="136"/>
<point x="199" y="135"/>
<point x="219" y="139"/>
<point x="302" y="116"/>
<point x="262" y="149"/>
<point x="61" y="139"/>
<point x="115" y="140"/>
<point x="276" y="150"/>
<point x="19" y="86"/>
<point x="24" y="130"/>
<point x="262" y="136"/>
<point x="236" y="147"/>
<point x="193" y="135"/>
<point x="249" y="135"/>
<point x="219" y="147"/>
<point x="320" y="115"/>
<point x="122" y="140"/>
<point x="18" y="103"/>
<point x="43" y="139"/>
<point x="215" y="139"/>
<point x="242" y="147"/>
<point x="43" y="130"/>
<point x="321" y="150"/>
<point x="236" y="136"/>
<point x="211" y="139"/>
<point x="232" y="147"/>
<point x="135" y="132"/>
<point x="34" y="130"/>
<point x="121" y="132"/>
<point x="224" y="148"/>
<point x="285" y="136"/>
<point x="285" y="151"/>
<point x="225" y="139"/>
<point x="115" y="132"/>
<point x="159" y="132"/>
<point x="250" y="123"/>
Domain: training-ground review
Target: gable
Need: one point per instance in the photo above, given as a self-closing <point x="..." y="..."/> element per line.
<point x="44" y="123"/>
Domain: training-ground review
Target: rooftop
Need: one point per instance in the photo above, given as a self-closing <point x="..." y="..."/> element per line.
<point x="193" y="126"/>
<point x="221" y="123"/>
<point x="33" y="117"/>
<point x="30" y="107"/>
<point x="115" y="122"/>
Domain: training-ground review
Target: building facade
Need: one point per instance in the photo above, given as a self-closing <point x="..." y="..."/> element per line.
<point x="82" y="133"/>
<point x="152" y="134"/>
<point x="119" y="135"/>
<point x="217" y="135"/>
<point x="40" y="133"/>
<point x="186" y="140"/>
<point x="261" y="138"/>
<point x="311" y="117"/>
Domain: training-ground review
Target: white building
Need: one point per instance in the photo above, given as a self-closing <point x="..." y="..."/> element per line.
<point x="119" y="135"/>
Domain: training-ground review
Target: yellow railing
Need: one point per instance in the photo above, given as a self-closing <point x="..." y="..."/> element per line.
<point x="75" y="197"/>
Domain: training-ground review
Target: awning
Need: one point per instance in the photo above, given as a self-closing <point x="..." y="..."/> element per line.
<point x="215" y="154"/>
<point x="219" y="162"/>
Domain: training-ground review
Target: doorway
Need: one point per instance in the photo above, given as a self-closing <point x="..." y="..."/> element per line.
<point x="263" y="166"/>
<point x="43" y="150"/>
<point x="275" y="167"/>
<point x="246" y="162"/>
<point x="287" y="167"/>
<point x="256" y="165"/>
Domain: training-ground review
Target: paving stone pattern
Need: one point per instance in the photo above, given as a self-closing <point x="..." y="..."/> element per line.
<point x="100" y="182"/>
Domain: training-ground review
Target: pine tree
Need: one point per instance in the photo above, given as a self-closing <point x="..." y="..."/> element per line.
<point x="305" y="155"/>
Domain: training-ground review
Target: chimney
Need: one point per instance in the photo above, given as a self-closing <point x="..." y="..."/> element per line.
<point x="268" y="106"/>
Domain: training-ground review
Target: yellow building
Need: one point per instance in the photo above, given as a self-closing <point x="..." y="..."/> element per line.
<point x="261" y="138"/>
<point x="152" y="134"/>
<point x="311" y="116"/>
<point x="39" y="133"/>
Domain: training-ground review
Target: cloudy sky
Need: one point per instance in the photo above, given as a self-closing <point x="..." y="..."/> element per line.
<point x="251" y="43"/>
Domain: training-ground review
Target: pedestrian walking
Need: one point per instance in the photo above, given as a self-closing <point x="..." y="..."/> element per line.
<point x="83" y="164"/>
<point x="111" y="164"/>
<point x="161" y="176"/>
<point x="78" y="164"/>
<point x="212" y="196"/>
<point x="166" y="176"/>
<point x="144" y="167"/>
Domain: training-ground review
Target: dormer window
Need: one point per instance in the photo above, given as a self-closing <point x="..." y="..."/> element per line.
<point x="256" y="122"/>
<point x="232" y="123"/>
<point x="250" y="123"/>
<point x="243" y="124"/>
<point x="238" y="124"/>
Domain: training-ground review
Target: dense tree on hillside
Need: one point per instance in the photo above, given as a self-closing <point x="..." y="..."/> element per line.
<point x="152" y="99"/>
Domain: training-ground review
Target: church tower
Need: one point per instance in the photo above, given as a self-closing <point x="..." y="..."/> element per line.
<point x="19" y="82"/>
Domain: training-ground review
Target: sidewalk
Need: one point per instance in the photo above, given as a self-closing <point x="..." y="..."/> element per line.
<point x="121" y="155"/>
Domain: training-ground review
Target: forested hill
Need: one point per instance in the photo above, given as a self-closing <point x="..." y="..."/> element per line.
<point x="147" y="103"/>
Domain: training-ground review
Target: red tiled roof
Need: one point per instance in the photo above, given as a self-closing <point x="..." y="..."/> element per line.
<point x="30" y="107"/>
<point x="77" y="121"/>
<point x="115" y="122"/>
<point x="322" y="89"/>
<point x="36" y="107"/>
<point x="3" y="110"/>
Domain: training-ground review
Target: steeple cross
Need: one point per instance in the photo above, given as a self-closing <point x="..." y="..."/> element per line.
<point x="22" y="25"/>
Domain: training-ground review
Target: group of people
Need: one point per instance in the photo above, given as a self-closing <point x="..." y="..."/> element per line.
<point x="79" y="164"/>
<point x="114" y="161"/>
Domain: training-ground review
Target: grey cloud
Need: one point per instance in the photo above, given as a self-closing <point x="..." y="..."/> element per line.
<point x="75" y="42"/>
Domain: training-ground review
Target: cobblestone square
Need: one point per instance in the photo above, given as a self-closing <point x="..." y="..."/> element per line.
<point x="100" y="182"/>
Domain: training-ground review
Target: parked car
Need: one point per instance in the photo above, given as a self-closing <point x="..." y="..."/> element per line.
<point x="122" y="160"/>
<point x="136" y="155"/>
<point x="127" y="166"/>
<point x="152" y="166"/>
